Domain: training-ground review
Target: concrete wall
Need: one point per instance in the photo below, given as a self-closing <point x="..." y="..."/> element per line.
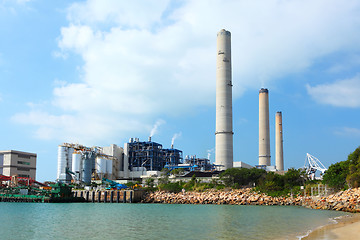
<point x="117" y="152"/>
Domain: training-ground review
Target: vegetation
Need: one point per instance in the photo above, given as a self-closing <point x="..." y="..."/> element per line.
<point x="341" y="175"/>
<point x="150" y="182"/>
<point x="237" y="177"/>
<point x="276" y="185"/>
<point x="344" y="174"/>
<point x="335" y="176"/>
<point x="192" y="185"/>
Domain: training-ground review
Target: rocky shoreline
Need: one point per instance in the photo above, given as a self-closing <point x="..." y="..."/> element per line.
<point x="347" y="201"/>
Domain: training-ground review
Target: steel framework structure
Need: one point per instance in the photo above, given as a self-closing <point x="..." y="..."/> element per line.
<point x="312" y="164"/>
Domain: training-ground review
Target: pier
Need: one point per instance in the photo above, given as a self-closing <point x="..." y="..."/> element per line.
<point x="110" y="196"/>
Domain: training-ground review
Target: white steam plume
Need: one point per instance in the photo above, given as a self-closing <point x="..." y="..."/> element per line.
<point x="176" y="135"/>
<point x="209" y="153"/>
<point x="156" y="126"/>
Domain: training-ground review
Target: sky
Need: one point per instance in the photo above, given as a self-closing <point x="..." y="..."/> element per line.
<point x="99" y="72"/>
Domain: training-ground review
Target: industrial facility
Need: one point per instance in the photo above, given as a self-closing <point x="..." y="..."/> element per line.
<point x="139" y="159"/>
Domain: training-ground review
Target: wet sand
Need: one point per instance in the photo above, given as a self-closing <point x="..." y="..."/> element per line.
<point x="346" y="228"/>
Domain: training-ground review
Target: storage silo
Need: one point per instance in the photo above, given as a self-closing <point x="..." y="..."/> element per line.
<point x="62" y="159"/>
<point x="76" y="162"/>
<point x="69" y="159"/>
<point x="109" y="167"/>
<point x="86" y="168"/>
<point x="100" y="166"/>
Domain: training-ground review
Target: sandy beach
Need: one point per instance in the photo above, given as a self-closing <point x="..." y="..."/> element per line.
<point x="346" y="228"/>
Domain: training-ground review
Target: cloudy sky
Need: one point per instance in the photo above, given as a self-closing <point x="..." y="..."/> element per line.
<point x="98" y="72"/>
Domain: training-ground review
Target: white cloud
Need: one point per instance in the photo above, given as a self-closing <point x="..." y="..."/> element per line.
<point x="12" y="5"/>
<point x="347" y="131"/>
<point x="143" y="59"/>
<point x="85" y="128"/>
<point x="342" y="93"/>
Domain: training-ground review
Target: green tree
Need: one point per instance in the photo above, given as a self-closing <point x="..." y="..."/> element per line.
<point x="170" y="187"/>
<point x="150" y="182"/>
<point x="336" y="175"/>
<point x="293" y="177"/>
<point x="353" y="177"/>
<point x="241" y="176"/>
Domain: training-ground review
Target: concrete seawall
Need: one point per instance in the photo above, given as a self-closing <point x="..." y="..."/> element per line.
<point x="110" y="196"/>
<point x="347" y="201"/>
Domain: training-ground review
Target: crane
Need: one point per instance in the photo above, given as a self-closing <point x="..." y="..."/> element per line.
<point x="312" y="164"/>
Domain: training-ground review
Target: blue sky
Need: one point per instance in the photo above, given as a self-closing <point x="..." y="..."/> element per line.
<point x="100" y="72"/>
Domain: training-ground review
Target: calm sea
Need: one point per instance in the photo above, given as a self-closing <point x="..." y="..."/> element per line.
<point x="156" y="221"/>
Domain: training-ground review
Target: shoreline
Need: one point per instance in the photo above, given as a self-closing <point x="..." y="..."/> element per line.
<point x="345" y="201"/>
<point x="346" y="227"/>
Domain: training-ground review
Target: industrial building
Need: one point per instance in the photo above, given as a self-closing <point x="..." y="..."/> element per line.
<point x="224" y="125"/>
<point x="22" y="164"/>
<point x="148" y="158"/>
<point x="80" y="163"/>
<point x="202" y="164"/>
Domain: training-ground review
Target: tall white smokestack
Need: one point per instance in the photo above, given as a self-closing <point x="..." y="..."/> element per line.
<point x="224" y="129"/>
<point x="264" y="130"/>
<point x="279" y="155"/>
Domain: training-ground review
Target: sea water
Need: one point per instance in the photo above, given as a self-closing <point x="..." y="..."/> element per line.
<point x="157" y="221"/>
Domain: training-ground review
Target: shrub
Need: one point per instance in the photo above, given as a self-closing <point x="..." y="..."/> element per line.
<point x="170" y="187"/>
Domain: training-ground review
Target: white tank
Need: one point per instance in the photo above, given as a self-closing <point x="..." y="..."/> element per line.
<point x="101" y="164"/>
<point x="109" y="166"/>
<point x="62" y="156"/>
<point x="69" y="157"/>
<point x="76" y="162"/>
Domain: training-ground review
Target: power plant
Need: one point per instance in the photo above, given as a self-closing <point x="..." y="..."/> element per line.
<point x="224" y="129"/>
<point x="82" y="164"/>
<point x="264" y="130"/>
<point x="139" y="159"/>
<point x="279" y="154"/>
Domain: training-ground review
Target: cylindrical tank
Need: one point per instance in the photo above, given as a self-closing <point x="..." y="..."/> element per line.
<point x="224" y="125"/>
<point x="76" y="162"/>
<point x="62" y="156"/>
<point x="101" y="164"/>
<point x="109" y="165"/>
<point x="279" y="154"/>
<point x="69" y="156"/>
<point x="264" y="130"/>
<point x="86" y="171"/>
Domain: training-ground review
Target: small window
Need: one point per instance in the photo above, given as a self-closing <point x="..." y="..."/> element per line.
<point x="23" y="169"/>
<point x="24" y="156"/>
<point x="23" y="163"/>
<point x="24" y="175"/>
